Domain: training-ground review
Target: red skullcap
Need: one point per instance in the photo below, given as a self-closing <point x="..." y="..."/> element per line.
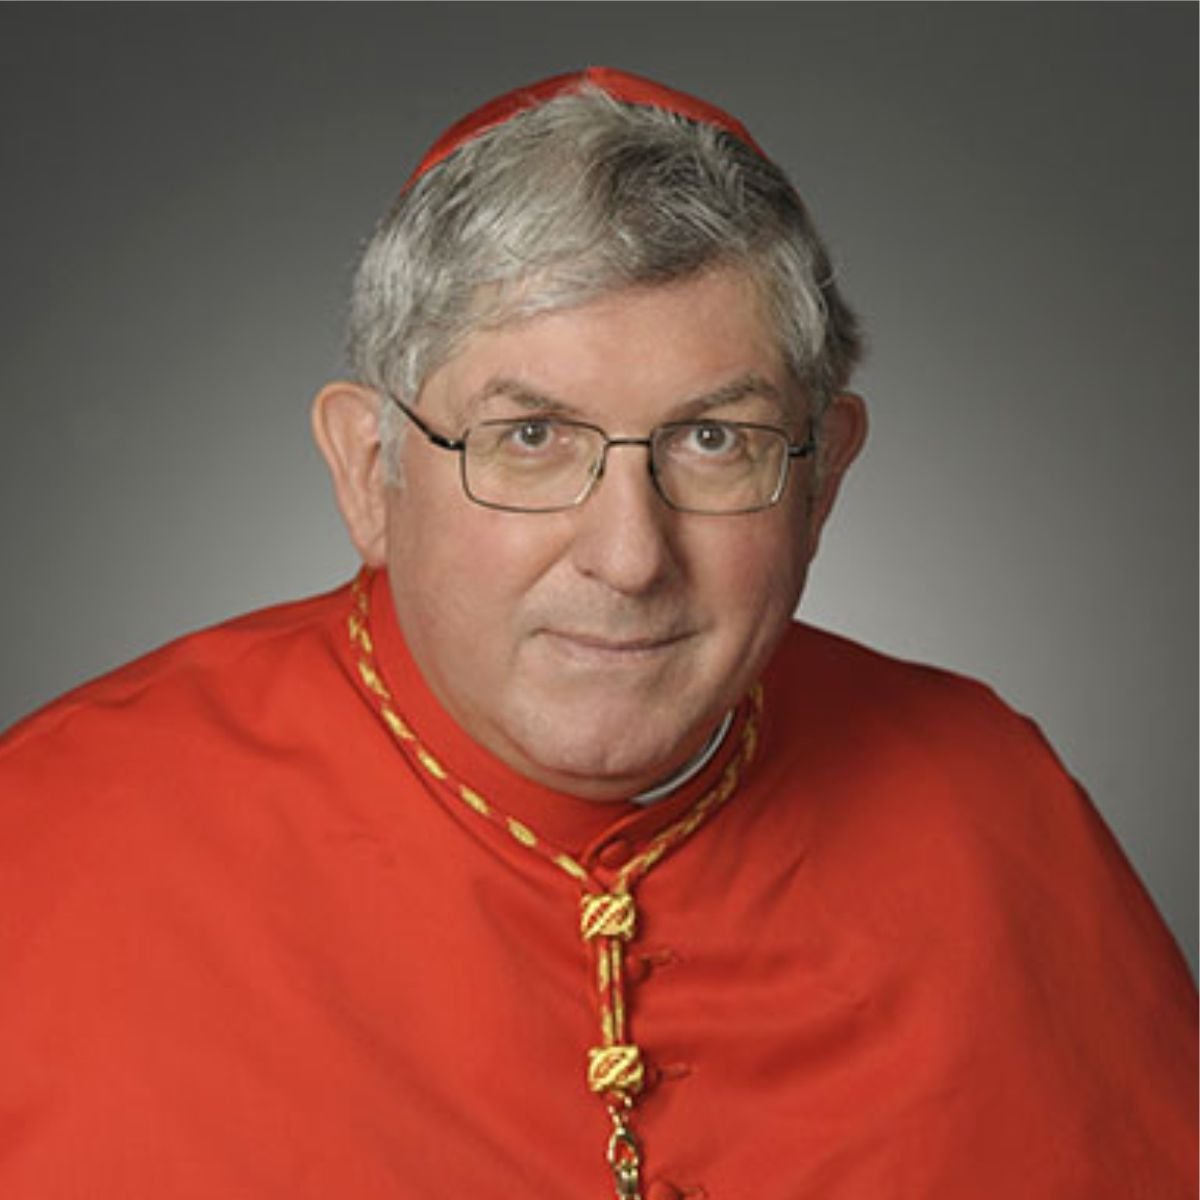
<point x="620" y="85"/>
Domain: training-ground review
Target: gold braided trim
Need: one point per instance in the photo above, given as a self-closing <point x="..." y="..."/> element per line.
<point x="618" y="1010"/>
<point x="607" y="919"/>
<point x="475" y="800"/>
<point x="371" y="678"/>
<point x="615" y="1069"/>
<point x="750" y="737"/>
<point x="566" y="863"/>
<point x="608" y="1029"/>
<point x="358" y="627"/>
<point x="431" y="764"/>
<point x="716" y="796"/>
<point x="522" y="833"/>
<point x="395" y="724"/>
<point x="359" y="634"/>
<point x="608" y="914"/>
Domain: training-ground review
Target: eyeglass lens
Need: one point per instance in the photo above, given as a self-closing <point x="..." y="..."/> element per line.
<point x="541" y="464"/>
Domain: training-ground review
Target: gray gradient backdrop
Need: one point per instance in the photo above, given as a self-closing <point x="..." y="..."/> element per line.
<point x="1010" y="193"/>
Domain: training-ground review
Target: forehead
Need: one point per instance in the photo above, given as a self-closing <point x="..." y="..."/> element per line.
<point x="642" y="352"/>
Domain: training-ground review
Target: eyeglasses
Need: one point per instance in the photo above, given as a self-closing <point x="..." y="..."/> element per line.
<point x="547" y="464"/>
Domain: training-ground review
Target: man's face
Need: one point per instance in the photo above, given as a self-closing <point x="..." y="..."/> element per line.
<point x="595" y="649"/>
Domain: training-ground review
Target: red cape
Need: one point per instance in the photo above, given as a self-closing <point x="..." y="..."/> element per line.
<point x="248" y="949"/>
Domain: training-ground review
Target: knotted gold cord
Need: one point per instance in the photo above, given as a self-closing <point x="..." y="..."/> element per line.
<point x="608" y="918"/>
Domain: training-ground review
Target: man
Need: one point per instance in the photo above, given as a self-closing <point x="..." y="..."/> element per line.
<point x="550" y="858"/>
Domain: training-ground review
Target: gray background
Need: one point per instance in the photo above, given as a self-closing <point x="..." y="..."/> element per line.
<point x="1009" y="190"/>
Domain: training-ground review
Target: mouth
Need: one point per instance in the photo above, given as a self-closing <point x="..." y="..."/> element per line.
<point x="601" y="648"/>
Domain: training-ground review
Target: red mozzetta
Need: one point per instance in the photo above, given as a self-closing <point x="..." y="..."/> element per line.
<point x="251" y="948"/>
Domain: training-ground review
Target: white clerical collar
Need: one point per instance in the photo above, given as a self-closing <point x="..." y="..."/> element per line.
<point x="690" y="769"/>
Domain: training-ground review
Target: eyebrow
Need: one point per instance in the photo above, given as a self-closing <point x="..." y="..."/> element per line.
<point x="522" y="394"/>
<point x="745" y="387"/>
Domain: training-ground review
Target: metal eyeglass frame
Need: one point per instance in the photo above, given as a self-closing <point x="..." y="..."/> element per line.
<point x="459" y="446"/>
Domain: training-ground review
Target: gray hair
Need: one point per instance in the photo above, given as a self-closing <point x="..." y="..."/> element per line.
<point x="581" y="196"/>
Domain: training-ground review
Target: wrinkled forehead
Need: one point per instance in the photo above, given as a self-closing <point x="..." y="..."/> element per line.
<point x="545" y="355"/>
<point x="508" y="306"/>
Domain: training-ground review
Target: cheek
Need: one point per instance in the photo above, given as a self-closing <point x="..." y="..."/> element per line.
<point x="462" y="567"/>
<point x="756" y="573"/>
<point x="501" y="557"/>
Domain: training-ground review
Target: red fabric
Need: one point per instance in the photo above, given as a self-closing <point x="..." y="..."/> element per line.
<point x="246" y="951"/>
<point x="633" y="89"/>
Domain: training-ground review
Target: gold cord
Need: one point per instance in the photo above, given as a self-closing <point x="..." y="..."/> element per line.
<point x="608" y="916"/>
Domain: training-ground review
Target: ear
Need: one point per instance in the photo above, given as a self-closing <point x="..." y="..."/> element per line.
<point x="841" y="432"/>
<point x="345" y="424"/>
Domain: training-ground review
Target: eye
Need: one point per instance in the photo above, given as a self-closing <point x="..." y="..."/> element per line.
<point x="529" y="436"/>
<point x="533" y="441"/>
<point x="713" y="440"/>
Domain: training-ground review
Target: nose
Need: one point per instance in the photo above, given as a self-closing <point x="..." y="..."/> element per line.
<point x="624" y="533"/>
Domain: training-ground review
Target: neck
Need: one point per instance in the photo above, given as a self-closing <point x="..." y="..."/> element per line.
<point x="690" y="769"/>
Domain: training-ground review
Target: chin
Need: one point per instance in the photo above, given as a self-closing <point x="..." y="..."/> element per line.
<point x="615" y="754"/>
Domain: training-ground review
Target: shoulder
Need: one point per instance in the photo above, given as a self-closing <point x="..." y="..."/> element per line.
<point x="927" y="783"/>
<point x="216" y="676"/>
<point x="905" y="742"/>
<point x="978" y="901"/>
<point x="950" y="802"/>
<point x="879" y="706"/>
<point x="192" y="763"/>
